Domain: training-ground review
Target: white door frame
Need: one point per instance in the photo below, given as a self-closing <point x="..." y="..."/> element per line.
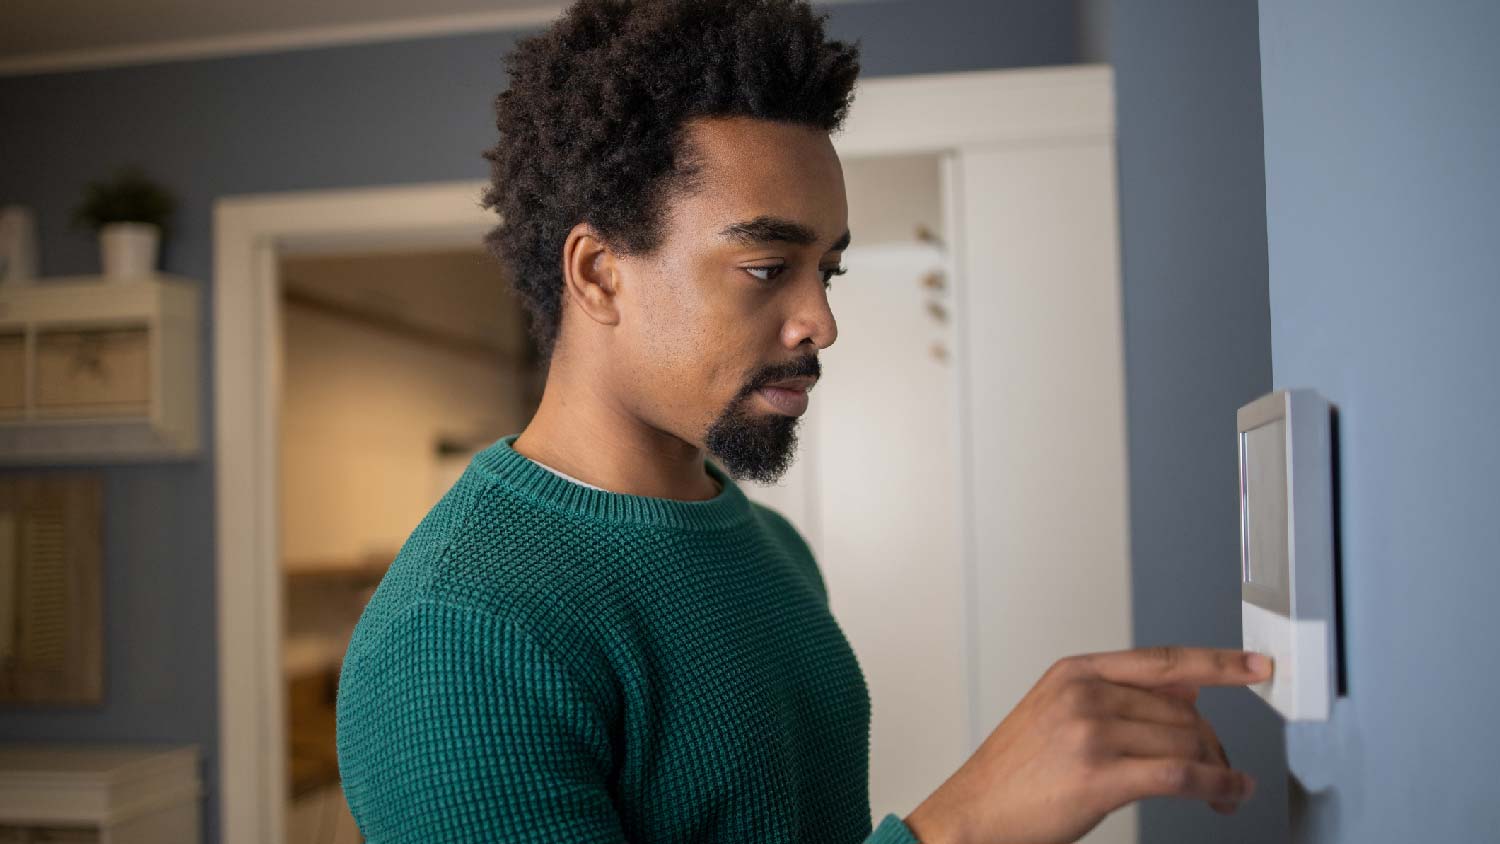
<point x="894" y="115"/>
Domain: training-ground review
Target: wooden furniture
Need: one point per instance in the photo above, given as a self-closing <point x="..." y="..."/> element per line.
<point x="99" y="794"/>
<point x="99" y="371"/>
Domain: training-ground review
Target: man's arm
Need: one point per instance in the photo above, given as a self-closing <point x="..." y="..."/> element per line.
<point x="456" y="725"/>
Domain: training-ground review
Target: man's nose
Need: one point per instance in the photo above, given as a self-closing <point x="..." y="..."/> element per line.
<point x="812" y="322"/>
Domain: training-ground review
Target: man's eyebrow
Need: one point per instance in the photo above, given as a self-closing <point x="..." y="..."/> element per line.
<point x="764" y="229"/>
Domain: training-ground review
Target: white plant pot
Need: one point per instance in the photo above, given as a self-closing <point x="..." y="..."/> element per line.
<point x="129" y="250"/>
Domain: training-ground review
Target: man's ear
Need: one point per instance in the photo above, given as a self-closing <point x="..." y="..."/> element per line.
<point x="591" y="275"/>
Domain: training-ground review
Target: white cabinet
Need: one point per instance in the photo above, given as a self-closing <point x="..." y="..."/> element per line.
<point x="113" y="794"/>
<point x="99" y="371"/>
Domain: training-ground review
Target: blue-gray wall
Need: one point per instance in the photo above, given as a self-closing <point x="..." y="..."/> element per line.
<point x="1197" y="346"/>
<point x="1382" y="150"/>
<point x="404" y="112"/>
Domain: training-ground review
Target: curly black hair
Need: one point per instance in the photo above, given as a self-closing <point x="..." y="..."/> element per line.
<point x="590" y="127"/>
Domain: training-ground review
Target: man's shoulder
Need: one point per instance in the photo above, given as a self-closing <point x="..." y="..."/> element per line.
<point x="486" y="551"/>
<point x="780" y="526"/>
<point x="481" y="568"/>
<point x="786" y="535"/>
<point x="504" y="550"/>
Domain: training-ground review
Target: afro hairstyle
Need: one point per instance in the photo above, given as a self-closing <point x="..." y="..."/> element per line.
<point x="591" y="123"/>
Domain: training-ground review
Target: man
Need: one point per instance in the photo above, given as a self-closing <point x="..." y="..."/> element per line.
<point x="595" y="636"/>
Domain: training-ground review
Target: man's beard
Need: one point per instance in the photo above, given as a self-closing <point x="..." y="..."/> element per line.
<point x="758" y="446"/>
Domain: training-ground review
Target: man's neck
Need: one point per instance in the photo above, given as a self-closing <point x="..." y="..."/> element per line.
<point x="583" y="434"/>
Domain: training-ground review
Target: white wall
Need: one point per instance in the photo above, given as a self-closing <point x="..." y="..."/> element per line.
<point x="1382" y="156"/>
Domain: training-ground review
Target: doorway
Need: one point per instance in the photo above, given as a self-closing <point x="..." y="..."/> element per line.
<point x="397" y="367"/>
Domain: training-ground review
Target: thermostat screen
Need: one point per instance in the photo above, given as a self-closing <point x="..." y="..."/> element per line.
<point x="1263" y="505"/>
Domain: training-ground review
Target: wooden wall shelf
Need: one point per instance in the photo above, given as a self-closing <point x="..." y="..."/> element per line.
<point x="99" y="371"/>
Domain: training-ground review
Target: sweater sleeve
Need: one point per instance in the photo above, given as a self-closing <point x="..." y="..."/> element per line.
<point x="892" y="830"/>
<point x="458" y="726"/>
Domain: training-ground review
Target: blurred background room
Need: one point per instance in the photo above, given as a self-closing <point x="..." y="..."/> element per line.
<point x="396" y="368"/>
<point x="249" y="334"/>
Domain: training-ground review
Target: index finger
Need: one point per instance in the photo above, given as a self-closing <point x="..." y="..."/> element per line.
<point x="1161" y="666"/>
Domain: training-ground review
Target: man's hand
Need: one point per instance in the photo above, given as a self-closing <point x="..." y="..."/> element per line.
<point x="1098" y="731"/>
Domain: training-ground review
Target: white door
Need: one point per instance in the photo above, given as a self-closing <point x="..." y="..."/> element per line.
<point x="876" y="489"/>
<point x="961" y="474"/>
<point x="1045" y="405"/>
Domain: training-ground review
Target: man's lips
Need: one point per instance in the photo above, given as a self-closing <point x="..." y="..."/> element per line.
<point x="788" y="395"/>
<point x="804" y="383"/>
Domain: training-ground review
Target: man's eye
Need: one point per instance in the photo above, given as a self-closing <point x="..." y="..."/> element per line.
<point x="770" y="272"/>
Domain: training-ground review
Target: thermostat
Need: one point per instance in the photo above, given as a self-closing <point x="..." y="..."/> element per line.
<point x="1287" y="579"/>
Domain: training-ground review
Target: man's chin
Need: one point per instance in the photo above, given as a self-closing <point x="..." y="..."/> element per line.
<point x="757" y="448"/>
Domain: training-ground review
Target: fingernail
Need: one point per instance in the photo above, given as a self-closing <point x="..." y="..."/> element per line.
<point x="1258" y="663"/>
<point x="1249" y="787"/>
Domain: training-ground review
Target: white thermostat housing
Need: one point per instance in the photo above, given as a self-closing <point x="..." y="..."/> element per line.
<point x="1287" y="554"/>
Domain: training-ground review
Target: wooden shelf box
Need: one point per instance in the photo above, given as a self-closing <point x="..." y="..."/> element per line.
<point x="96" y="371"/>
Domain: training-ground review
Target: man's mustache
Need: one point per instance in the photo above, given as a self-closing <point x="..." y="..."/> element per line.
<point x="806" y="366"/>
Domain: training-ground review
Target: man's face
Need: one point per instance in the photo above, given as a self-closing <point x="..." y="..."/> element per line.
<point x="722" y="324"/>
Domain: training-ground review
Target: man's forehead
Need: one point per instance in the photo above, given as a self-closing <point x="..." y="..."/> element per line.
<point x="765" y="180"/>
<point x="725" y="149"/>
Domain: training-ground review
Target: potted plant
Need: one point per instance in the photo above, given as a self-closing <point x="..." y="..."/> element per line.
<point x="131" y="214"/>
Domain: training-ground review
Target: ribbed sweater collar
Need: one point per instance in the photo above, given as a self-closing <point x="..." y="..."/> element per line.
<point x="531" y="480"/>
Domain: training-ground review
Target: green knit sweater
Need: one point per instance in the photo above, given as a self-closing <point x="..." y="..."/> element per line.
<point x="545" y="662"/>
